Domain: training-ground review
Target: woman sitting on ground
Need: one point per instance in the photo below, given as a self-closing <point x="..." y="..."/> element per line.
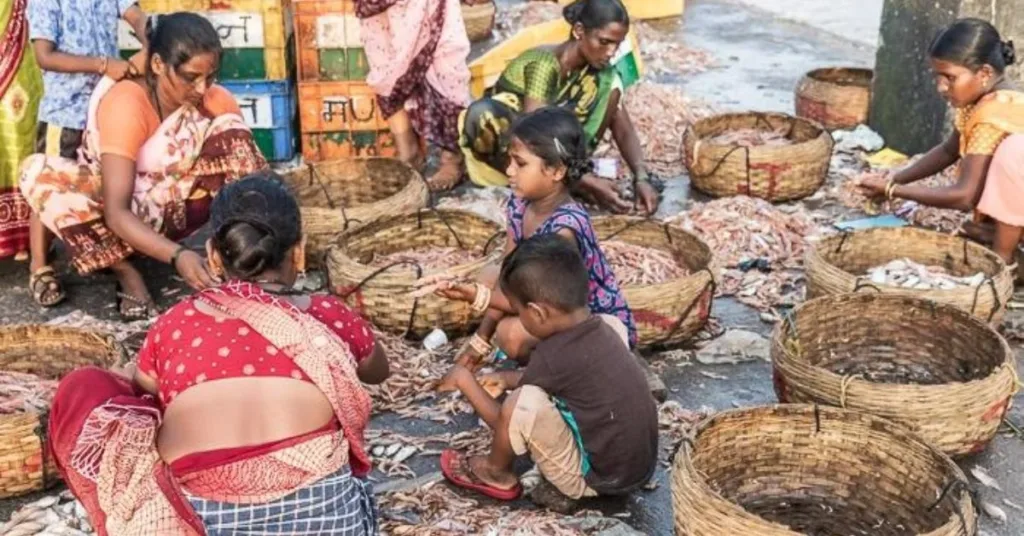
<point x="156" y="151"/>
<point x="970" y="59"/>
<point x="577" y="75"/>
<point x="257" y="422"/>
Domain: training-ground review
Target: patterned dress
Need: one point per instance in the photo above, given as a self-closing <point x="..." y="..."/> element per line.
<point x="605" y="295"/>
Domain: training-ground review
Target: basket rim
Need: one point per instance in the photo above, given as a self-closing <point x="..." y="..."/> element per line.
<point x="905" y="438"/>
<point x="706" y="271"/>
<point x="484" y="7"/>
<point x="691" y="130"/>
<point x="815" y="74"/>
<point x="779" y="336"/>
<point x="416" y="184"/>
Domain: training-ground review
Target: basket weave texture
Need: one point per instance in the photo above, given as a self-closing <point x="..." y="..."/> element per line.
<point x="49" y="352"/>
<point x="836" y="265"/>
<point x="772" y="172"/>
<point x="672" y="311"/>
<point x="797" y="469"/>
<point x="479" y="20"/>
<point x="340" y="194"/>
<point x="931" y="367"/>
<point x="838" y="97"/>
<point x="382" y="295"/>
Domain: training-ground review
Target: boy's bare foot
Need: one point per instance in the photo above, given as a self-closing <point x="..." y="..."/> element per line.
<point x="546" y="495"/>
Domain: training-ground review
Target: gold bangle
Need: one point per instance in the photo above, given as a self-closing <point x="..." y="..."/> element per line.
<point x="479" y="345"/>
<point x="482" y="300"/>
<point x="889" y="187"/>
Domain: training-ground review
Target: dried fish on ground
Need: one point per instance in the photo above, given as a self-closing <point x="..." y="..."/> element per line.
<point x="751" y="137"/>
<point x="662" y="53"/>
<point x="488" y="202"/>
<point x="410" y="389"/>
<point x="906" y="273"/>
<point x="940" y="219"/>
<point x="130" y="334"/>
<point x="21" y="392"/>
<point x="675" y="424"/>
<point x="510" y="19"/>
<point x="428" y="258"/>
<point x="639" y="265"/>
<point x="54" y="514"/>
<point x="741" y="229"/>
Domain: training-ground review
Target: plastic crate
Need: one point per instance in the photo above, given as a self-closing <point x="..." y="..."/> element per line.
<point x="269" y="108"/>
<point x="256" y="34"/>
<point x="328" y="47"/>
<point x="342" y="120"/>
<point x="649" y="9"/>
<point x="486" y="69"/>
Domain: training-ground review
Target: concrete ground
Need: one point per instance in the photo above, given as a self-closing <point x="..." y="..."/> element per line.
<point x="763" y="46"/>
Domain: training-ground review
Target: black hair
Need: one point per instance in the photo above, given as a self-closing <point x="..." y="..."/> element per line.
<point x="973" y="43"/>
<point x="255" y="221"/>
<point x="555" y="135"/>
<point x="179" y="37"/>
<point x="596" y="14"/>
<point x="546" y="268"/>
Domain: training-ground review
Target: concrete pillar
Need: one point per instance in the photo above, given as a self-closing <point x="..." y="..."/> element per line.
<point x="905" y="107"/>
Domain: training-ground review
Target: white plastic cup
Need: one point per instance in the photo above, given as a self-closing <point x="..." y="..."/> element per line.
<point x="435" y="340"/>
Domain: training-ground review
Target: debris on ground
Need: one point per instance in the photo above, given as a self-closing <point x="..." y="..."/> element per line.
<point x="488" y="203"/>
<point x="636" y="265"/>
<point x="20" y="392"/>
<point x="860" y="139"/>
<point x="55" y="514"/>
<point x="675" y="424"/>
<point x="410" y="389"/>
<point x="982" y="476"/>
<point x="130" y="334"/>
<point x="735" y="346"/>
<point x="510" y="19"/>
<point x="663" y="54"/>
<point x="905" y="273"/>
<point x="751" y="137"/>
<point x="742" y="229"/>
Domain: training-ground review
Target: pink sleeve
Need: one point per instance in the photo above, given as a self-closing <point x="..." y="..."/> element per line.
<point x="351" y="327"/>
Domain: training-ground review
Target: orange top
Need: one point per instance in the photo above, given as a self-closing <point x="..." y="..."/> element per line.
<point x="126" y="118"/>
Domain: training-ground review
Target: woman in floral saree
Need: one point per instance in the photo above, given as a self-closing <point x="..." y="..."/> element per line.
<point x="21" y="87"/>
<point x="247" y="411"/>
<point x="156" y="150"/>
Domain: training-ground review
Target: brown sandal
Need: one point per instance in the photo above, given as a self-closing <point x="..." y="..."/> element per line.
<point x="45" y="287"/>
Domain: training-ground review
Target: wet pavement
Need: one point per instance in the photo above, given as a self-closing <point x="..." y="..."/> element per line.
<point x="761" y="57"/>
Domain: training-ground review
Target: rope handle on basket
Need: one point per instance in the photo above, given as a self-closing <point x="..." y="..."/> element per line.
<point x="415" y="302"/>
<point x="711" y="287"/>
<point x="947" y="493"/>
<point x="844" y="234"/>
<point x="632" y="224"/>
<point x="844" y="386"/>
<point x="440" y="216"/>
<point x="490" y="241"/>
<point x="314" y="174"/>
<point x="995" y="296"/>
<point x="859" y="284"/>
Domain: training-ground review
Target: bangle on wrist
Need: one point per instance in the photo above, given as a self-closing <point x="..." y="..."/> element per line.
<point x="482" y="300"/>
<point x="174" y="256"/>
<point x="479" y="345"/>
<point x="103" y="65"/>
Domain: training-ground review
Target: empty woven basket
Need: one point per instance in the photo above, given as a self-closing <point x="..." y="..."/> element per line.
<point x="932" y="367"/>
<point x="48" y="352"/>
<point x="672" y="311"/>
<point x="340" y="194"/>
<point x="382" y="293"/>
<point x="806" y="470"/>
<point x="836" y="264"/>
<point x="479" y="20"/>
<point x="772" y="172"/>
<point x="837" y="97"/>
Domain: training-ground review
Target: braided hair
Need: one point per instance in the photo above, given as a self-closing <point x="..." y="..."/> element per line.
<point x="554" y="134"/>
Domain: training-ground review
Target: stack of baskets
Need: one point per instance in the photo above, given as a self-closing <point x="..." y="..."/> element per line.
<point x="49" y="352"/>
<point x="479" y="18"/>
<point x="772" y="172"/>
<point x="837" y="97"/>
<point x="673" y="311"/>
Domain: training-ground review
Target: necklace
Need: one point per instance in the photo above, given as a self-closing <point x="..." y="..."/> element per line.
<point x="281" y="289"/>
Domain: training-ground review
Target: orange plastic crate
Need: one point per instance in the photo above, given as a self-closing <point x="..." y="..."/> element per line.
<point x="342" y="120"/>
<point x="328" y="46"/>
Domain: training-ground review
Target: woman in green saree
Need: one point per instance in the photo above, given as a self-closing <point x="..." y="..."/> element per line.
<point x="577" y="74"/>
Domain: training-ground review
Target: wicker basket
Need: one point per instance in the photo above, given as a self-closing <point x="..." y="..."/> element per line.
<point x="775" y="173"/>
<point x="49" y="352"/>
<point x="340" y="194"/>
<point x="479" y="20"/>
<point x="382" y="295"/>
<point x="838" y="98"/>
<point x="931" y="367"/>
<point x="798" y="469"/>
<point x="837" y="264"/>
<point x="673" y="311"/>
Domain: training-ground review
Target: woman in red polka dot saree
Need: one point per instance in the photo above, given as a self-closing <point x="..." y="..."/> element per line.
<point x="246" y="411"/>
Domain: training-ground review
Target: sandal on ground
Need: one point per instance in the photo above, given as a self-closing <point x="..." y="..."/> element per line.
<point x="455" y="468"/>
<point x="45" y="287"/>
<point x="133" y="308"/>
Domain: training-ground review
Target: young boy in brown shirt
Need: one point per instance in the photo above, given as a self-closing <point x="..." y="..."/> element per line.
<point x="581" y="409"/>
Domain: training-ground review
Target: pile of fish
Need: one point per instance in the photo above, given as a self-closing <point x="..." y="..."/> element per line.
<point x="512" y="18"/>
<point x="751" y="137"/>
<point x="663" y="54"/>
<point x="130" y="334"/>
<point x="55" y="515"/>
<point x="939" y="219"/>
<point x="488" y="202"/>
<point x="905" y="273"/>
<point x="641" y="266"/>
<point x="428" y="258"/>
<point x="674" y="424"/>
<point x="741" y="230"/>
<point x="21" y="393"/>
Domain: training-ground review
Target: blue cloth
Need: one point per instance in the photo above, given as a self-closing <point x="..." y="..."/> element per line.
<point x="574" y="427"/>
<point x="82" y="28"/>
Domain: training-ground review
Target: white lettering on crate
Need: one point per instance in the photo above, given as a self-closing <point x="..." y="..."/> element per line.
<point x="337" y="31"/>
<point x="236" y="30"/>
<point x="257" y="110"/>
<point x="345" y="108"/>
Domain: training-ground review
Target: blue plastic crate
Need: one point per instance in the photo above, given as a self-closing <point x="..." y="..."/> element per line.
<point x="269" y="108"/>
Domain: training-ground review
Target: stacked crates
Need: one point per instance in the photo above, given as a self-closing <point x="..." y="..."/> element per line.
<point x="339" y="116"/>
<point x="256" y="67"/>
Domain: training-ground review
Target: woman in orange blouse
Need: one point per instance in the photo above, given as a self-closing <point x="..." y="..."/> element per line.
<point x="969" y="59"/>
<point x="156" y="150"/>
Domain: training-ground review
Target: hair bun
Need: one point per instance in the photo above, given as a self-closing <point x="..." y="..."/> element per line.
<point x="1009" y="52"/>
<point x="574" y="11"/>
<point x="151" y="24"/>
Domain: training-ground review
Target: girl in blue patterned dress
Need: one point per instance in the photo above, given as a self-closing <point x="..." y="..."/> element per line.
<point x="548" y="156"/>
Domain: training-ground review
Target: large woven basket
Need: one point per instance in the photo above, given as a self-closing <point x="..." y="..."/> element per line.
<point x="673" y="311"/>
<point x="775" y="173"/>
<point x="838" y="97"/>
<point x="479" y="20"/>
<point x="382" y="294"/>
<point x="798" y="469"/>
<point x="340" y="194"/>
<point x="929" y="366"/>
<point x="836" y="264"/>
<point x="49" y="352"/>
